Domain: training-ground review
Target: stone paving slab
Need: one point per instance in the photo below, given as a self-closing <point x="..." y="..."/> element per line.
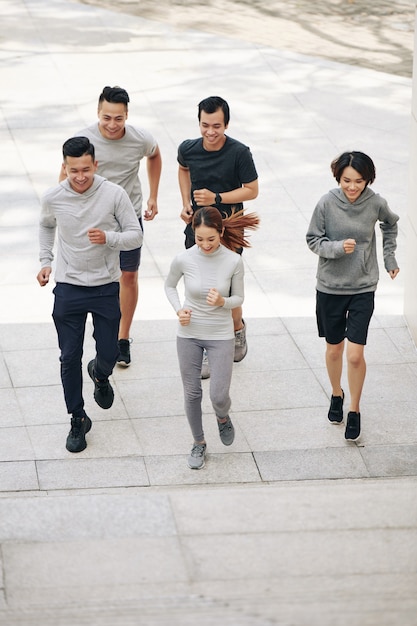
<point x="86" y="516"/>
<point x="313" y="521"/>
<point x="92" y="473"/>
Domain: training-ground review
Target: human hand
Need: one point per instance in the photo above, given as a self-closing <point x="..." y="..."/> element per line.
<point x="151" y="210"/>
<point x="184" y="315"/>
<point x="43" y="276"/>
<point x="214" y="298"/>
<point x="394" y="273"/>
<point x="204" y="197"/>
<point x="187" y="214"/>
<point x="97" y="236"/>
<point x="349" y="246"/>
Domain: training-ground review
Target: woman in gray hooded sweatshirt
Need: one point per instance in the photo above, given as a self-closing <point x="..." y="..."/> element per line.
<point x="342" y="234"/>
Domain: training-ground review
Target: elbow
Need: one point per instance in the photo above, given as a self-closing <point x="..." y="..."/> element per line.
<point x="253" y="191"/>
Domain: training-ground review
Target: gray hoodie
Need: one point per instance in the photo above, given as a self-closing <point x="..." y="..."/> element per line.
<point x="104" y="205"/>
<point x="336" y="219"/>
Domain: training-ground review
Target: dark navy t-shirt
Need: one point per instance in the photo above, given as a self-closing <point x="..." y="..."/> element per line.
<point x="218" y="170"/>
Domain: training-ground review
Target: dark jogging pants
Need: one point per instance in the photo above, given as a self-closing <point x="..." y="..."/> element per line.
<point x="71" y="306"/>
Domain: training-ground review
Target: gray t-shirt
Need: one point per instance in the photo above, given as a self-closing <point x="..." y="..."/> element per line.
<point x="119" y="159"/>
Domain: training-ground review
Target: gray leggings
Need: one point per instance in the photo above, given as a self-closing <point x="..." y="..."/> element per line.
<point x="220" y="355"/>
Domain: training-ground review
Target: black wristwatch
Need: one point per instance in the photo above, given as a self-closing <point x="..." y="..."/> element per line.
<point x="218" y="198"/>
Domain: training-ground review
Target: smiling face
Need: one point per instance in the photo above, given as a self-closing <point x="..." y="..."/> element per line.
<point x="352" y="183"/>
<point x="80" y="172"/>
<point x="212" y="129"/>
<point x="207" y="238"/>
<point x="112" y="118"/>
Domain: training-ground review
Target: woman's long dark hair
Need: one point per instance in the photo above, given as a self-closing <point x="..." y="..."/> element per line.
<point x="230" y="227"/>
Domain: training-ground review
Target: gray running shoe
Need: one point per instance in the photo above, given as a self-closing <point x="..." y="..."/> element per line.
<point x="196" y="460"/>
<point x="241" y="347"/>
<point x="226" y="431"/>
<point x="205" y="368"/>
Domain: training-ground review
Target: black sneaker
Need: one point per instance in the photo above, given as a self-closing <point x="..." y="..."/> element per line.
<point x="124" y="348"/>
<point x="335" y="413"/>
<point x="226" y="432"/>
<point x="353" y="426"/>
<point x="103" y="391"/>
<point x="80" y="426"/>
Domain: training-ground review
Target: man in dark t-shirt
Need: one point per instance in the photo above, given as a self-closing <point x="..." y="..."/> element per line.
<point x="216" y="170"/>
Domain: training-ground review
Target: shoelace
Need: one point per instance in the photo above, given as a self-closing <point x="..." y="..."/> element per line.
<point x="198" y="450"/>
<point x="76" y="425"/>
<point x="240" y="340"/>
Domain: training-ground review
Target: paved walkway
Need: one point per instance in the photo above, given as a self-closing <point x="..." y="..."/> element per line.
<point x="378" y="35"/>
<point x="290" y="526"/>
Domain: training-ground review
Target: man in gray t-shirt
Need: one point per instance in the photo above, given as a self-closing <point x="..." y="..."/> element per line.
<point x="119" y="149"/>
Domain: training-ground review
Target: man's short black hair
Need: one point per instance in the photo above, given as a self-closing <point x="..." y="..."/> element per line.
<point x="77" y="147"/>
<point x="213" y="104"/>
<point x="114" y="94"/>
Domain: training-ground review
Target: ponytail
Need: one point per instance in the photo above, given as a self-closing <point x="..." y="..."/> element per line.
<point x="235" y="225"/>
<point x="230" y="227"/>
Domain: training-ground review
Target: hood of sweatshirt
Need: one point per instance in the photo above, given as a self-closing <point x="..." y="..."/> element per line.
<point x="97" y="182"/>
<point x="343" y="203"/>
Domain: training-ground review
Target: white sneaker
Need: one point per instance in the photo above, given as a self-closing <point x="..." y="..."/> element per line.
<point x="205" y="368"/>
<point x="241" y="347"/>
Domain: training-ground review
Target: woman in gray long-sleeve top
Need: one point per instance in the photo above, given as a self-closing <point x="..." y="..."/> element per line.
<point x="213" y="282"/>
<point x="342" y="234"/>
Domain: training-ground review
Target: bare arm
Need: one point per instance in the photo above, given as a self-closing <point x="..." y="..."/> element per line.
<point x="184" y="181"/>
<point x="154" y="167"/>
<point x="206" y="197"/>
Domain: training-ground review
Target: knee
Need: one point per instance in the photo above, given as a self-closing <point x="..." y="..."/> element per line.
<point x="221" y="402"/>
<point x="69" y="360"/>
<point x="129" y="279"/>
<point x="355" y="359"/>
<point x="193" y="394"/>
<point x="334" y="351"/>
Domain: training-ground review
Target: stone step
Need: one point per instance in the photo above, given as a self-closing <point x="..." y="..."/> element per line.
<point x="156" y="611"/>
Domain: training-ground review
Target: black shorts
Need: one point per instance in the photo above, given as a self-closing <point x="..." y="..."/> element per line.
<point x="344" y="317"/>
<point x="130" y="259"/>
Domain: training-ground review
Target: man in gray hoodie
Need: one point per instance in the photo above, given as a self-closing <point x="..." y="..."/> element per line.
<point x="94" y="220"/>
